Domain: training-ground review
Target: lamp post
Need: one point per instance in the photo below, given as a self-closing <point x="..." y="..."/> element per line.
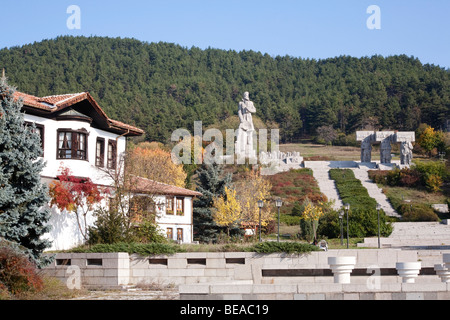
<point x="341" y="223"/>
<point x="260" y="205"/>
<point x="378" y="213"/>
<point x="278" y="204"/>
<point x="347" y="209"/>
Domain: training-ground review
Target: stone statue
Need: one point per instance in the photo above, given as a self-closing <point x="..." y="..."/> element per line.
<point x="366" y="150"/>
<point x="385" y="151"/>
<point x="406" y="153"/>
<point x="244" y="141"/>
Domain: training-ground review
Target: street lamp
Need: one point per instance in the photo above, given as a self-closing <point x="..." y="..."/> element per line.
<point x="378" y="213"/>
<point x="260" y="205"/>
<point x="347" y="209"/>
<point x="278" y="204"/>
<point x="341" y="223"/>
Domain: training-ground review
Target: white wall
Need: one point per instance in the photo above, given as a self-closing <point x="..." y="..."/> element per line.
<point x="174" y="221"/>
<point x="65" y="232"/>
<point x="84" y="168"/>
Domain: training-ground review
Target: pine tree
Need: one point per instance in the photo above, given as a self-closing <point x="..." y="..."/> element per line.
<point x="211" y="183"/>
<point x="23" y="217"/>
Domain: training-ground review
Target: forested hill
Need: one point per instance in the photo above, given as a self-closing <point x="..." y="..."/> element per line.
<point x="161" y="86"/>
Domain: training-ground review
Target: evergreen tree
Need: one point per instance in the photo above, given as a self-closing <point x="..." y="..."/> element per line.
<point x="23" y="218"/>
<point x="211" y="183"/>
<point x="162" y="86"/>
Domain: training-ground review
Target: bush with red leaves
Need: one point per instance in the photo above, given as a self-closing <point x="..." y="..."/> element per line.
<point x="17" y="273"/>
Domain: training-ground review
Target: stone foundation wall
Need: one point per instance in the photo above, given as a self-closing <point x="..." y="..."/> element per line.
<point x="245" y="275"/>
<point x="329" y="291"/>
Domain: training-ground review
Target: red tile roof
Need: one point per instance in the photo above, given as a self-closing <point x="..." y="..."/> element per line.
<point x="145" y="185"/>
<point x="58" y="102"/>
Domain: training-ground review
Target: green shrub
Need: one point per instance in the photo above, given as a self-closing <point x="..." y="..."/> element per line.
<point x="329" y="225"/>
<point x="287" y="247"/>
<point x="306" y="230"/>
<point x="427" y="168"/>
<point x="362" y="223"/>
<point x="109" y="227"/>
<point x="417" y="212"/>
<point x="351" y="190"/>
<point x="139" y="248"/>
<point x="289" y="220"/>
<point x="147" y="232"/>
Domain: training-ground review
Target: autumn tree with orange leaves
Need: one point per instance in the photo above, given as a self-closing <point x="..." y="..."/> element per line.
<point x="149" y="160"/>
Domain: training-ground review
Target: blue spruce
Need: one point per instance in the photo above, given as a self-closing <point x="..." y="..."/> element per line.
<point x="23" y="214"/>
<point x="211" y="183"/>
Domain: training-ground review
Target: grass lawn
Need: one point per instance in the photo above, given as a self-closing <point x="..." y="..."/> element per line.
<point x="402" y="195"/>
<point x="311" y="151"/>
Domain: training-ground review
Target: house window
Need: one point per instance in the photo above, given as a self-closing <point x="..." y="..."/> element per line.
<point x="100" y="153"/>
<point x="169" y="233"/>
<point x="72" y="145"/>
<point x="180" y="206"/>
<point x="169" y="205"/>
<point x="112" y="154"/>
<point x="179" y="234"/>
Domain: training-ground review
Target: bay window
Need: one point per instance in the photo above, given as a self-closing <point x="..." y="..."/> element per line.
<point x="72" y="144"/>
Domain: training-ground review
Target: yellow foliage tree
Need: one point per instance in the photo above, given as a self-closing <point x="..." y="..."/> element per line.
<point x="227" y="209"/>
<point x="251" y="188"/>
<point x="312" y="213"/>
<point x="155" y="164"/>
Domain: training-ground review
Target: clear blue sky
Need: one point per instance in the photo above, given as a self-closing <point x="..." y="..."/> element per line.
<point x="306" y="29"/>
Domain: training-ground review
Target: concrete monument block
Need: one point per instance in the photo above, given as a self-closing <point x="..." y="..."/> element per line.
<point x="361" y="135"/>
<point x="366" y="138"/>
<point x="385" y="137"/>
<point x="405" y="136"/>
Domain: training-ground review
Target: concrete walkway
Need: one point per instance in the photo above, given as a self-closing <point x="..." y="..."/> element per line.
<point x="419" y="235"/>
<point x="328" y="187"/>
<point x="373" y="190"/>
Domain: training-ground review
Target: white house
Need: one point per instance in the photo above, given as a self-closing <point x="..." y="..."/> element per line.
<point x="78" y="135"/>
<point x="174" y="214"/>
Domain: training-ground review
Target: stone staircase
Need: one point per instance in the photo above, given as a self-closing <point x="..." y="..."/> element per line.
<point x="414" y="235"/>
<point x="327" y="186"/>
<point x="374" y="192"/>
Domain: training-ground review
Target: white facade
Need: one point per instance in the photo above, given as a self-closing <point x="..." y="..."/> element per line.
<point x="82" y="168"/>
<point x="176" y="224"/>
<point x="73" y="120"/>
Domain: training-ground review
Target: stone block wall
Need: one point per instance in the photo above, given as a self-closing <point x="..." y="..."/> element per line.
<point x="245" y="275"/>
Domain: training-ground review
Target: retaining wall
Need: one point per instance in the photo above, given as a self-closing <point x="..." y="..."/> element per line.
<point x="245" y="275"/>
<point x="328" y="291"/>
